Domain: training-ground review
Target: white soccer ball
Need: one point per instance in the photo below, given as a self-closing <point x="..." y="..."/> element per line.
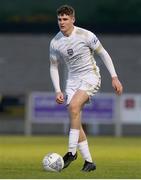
<point x="53" y="162"/>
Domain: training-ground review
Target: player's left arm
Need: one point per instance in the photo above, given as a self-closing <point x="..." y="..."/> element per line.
<point x="110" y="66"/>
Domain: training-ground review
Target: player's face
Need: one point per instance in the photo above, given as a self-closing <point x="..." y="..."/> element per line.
<point x="65" y="23"/>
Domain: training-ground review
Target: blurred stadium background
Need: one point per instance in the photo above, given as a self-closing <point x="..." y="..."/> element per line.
<point x="26" y="102"/>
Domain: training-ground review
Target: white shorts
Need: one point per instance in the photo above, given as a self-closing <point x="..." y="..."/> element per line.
<point x="89" y="83"/>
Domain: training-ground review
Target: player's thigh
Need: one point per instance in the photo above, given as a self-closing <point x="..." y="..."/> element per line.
<point x="79" y="98"/>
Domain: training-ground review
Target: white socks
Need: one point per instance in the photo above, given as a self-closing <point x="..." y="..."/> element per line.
<point x="82" y="146"/>
<point x="84" y="150"/>
<point x="73" y="140"/>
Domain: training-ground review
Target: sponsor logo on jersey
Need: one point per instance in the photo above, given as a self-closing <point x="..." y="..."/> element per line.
<point x="70" y="52"/>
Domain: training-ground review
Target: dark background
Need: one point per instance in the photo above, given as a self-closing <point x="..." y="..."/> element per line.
<point x="39" y="16"/>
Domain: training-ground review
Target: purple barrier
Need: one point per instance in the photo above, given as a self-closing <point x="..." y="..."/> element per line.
<point x="45" y="109"/>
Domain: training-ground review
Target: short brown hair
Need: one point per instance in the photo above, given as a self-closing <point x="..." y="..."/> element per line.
<point x="66" y="9"/>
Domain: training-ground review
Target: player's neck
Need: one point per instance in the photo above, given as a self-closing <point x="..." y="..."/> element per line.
<point x="69" y="32"/>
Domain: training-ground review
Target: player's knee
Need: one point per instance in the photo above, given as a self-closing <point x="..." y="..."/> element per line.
<point x="74" y="108"/>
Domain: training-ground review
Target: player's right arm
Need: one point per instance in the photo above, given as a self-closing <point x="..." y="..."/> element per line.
<point x="55" y="74"/>
<point x="55" y="80"/>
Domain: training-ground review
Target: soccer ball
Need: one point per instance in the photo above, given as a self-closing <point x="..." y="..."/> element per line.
<point x="53" y="162"/>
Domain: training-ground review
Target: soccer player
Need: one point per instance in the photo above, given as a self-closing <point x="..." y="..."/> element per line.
<point x="76" y="46"/>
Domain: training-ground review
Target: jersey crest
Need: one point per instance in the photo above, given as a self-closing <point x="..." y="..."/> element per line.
<point x="70" y="52"/>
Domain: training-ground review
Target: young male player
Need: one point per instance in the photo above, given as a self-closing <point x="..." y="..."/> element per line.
<point x="76" y="46"/>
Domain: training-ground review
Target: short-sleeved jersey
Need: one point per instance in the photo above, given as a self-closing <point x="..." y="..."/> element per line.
<point x="77" y="50"/>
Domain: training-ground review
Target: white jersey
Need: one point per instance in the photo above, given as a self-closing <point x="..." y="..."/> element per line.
<point x="77" y="50"/>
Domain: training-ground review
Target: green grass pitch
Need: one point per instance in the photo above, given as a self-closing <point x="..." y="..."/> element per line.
<point x="21" y="157"/>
